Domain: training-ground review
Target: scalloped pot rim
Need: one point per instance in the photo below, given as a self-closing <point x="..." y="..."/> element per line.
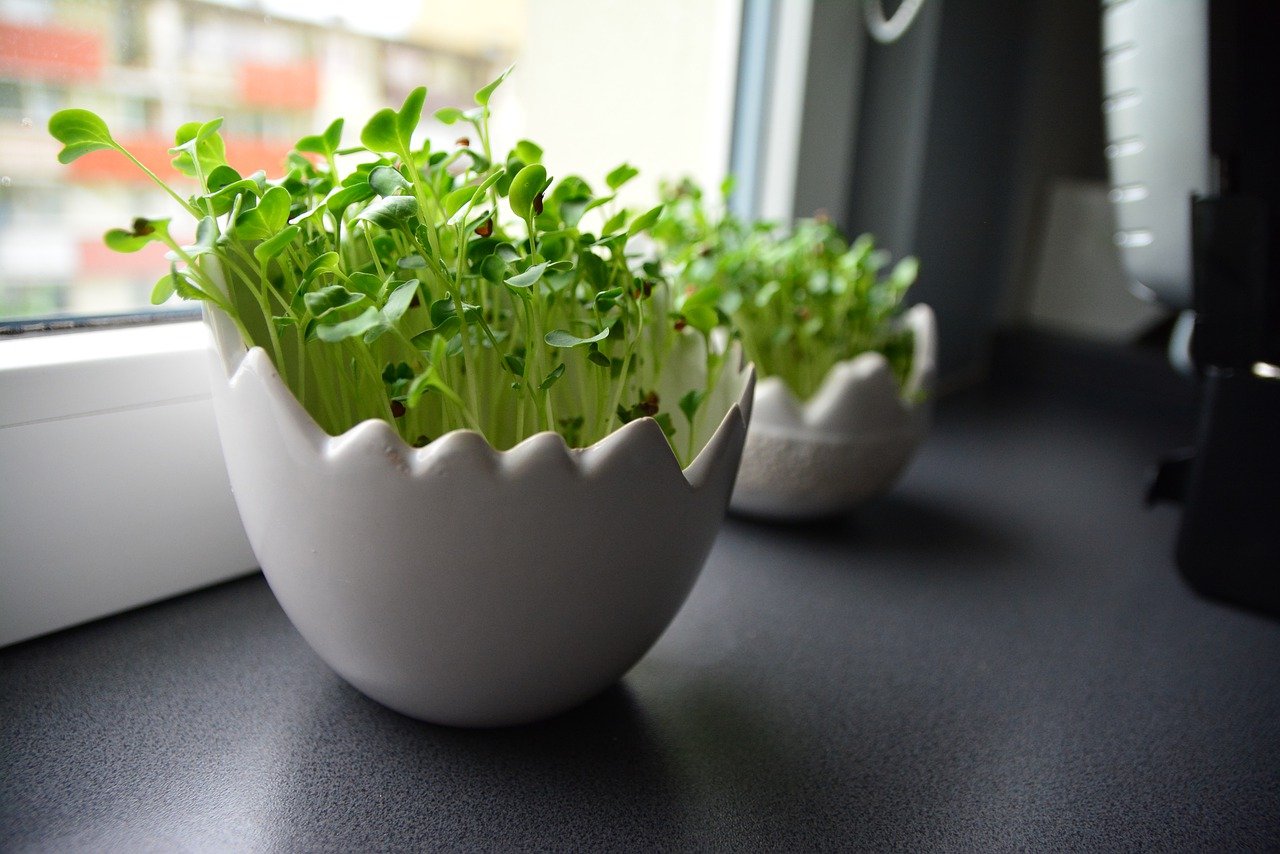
<point x="846" y="444"/>
<point x="243" y="364"/>
<point x="779" y="411"/>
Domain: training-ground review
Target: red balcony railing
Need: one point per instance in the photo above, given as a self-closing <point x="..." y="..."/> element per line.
<point x="49" y="53"/>
<point x="283" y="87"/>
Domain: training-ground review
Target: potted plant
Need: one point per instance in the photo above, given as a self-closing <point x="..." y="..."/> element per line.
<point x="446" y="407"/>
<point x="846" y="374"/>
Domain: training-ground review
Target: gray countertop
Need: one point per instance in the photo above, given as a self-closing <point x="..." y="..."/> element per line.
<point x="998" y="655"/>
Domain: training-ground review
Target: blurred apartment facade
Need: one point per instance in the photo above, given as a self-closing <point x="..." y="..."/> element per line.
<point x="147" y="66"/>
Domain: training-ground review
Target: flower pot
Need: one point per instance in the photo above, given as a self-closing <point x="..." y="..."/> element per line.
<point x="845" y="445"/>
<point x="462" y="585"/>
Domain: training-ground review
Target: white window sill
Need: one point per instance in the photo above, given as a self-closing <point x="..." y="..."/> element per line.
<point x="115" y="493"/>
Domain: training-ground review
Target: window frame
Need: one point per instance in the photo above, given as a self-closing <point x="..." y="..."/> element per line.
<point x="117" y="492"/>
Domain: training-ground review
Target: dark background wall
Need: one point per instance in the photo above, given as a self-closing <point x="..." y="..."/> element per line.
<point x="960" y="130"/>
<point x="1061" y="132"/>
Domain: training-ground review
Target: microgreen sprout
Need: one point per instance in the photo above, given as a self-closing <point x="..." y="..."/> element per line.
<point x="434" y="289"/>
<point x="800" y="301"/>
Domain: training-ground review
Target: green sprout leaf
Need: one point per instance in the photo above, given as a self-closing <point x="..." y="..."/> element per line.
<point x="571" y="210"/>
<point x="904" y="273"/>
<point x="529" y="277"/>
<point x="621" y="175"/>
<point x="448" y="115"/>
<point x="410" y="114"/>
<point x="199" y="148"/>
<point x="163" y="290"/>
<point x="398" y="302"/>
<point x="690" y="403"/>
<point x="327" y="300"/>
<point x="430" y="380"/>
<point x="182" y="285"/>
<point x="348" y="196"/>
<point x="223" y="198"/>
<point x="387" y="181"/>
<point x="595" y="203"/>
<point x="333" y="134"/>
<point x="221" y="177"/>
<point x="456" y="200"/>
<point x="366" y="283"/>
<point x="493" y="269"/>
<point x="367" y="321"/>
<point x="80" y="132"/>
<point x="446" y="329"/>
<point x="391" y="132"/>
<point x="486" y="92"/>
<point x="514" y="364"/>
<point x="379" y="133"/>
<point x="701" y="317"/>
<point x="144" y="231"/>
<point x="326" y="263"/>
<point x="494" y="177"/>
<point x="644" y="221"/>
<point x="705" y="296"/>
<point x="527" y="184"/>
<point x="551" y="378"/>
<point x="441" y="310"/>
<point x="325" y="144"/>
<point x="528" y="151"/>
<point x="274" y="245"/>
<point x="389" y="212"/>
<point x="564" y="339"/>
<point x="606" y="300"/>
<point x="267" y="219"/>
<point x="615" y="222"/>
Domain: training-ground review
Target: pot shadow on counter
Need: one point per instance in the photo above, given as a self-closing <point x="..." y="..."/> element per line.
<point x="793" y="759"/>
<point x="673" y="757"/>
<point x="593" y="777"/>
<point x="911" y="530"/>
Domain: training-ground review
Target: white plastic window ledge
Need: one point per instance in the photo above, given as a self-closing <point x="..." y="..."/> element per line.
<point x="115" y="493"/>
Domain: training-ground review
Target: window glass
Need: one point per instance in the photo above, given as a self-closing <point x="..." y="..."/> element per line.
<point x="597" y="82"/>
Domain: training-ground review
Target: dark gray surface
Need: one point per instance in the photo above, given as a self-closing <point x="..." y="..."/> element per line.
<point x="997" y="656"/>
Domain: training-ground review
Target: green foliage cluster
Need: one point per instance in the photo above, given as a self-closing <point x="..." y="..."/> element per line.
<point x="800" y="301"/>
<point x="435" y="289"/>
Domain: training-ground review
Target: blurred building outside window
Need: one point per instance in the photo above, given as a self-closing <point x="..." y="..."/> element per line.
<point x="597" y="82"/>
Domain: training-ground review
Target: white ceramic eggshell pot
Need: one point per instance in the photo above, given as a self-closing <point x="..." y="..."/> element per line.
<point x="844" y="446"/>
<point x="458" y="584"/>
